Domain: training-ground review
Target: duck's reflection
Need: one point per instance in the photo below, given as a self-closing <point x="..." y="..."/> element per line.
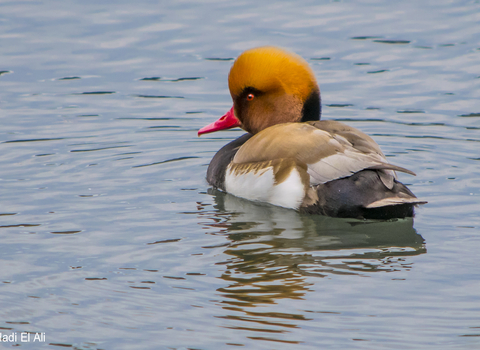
<point x="277" y="253"/>
<point x="273" y="249"/>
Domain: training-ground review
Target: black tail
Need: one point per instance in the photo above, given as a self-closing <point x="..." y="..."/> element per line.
<point x="352" y="196"/>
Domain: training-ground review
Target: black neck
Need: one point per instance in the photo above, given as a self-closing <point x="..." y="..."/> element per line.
<point x="312" y="108"/>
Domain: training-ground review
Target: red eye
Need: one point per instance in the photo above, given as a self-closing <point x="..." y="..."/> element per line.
<point x="250" y="97"/>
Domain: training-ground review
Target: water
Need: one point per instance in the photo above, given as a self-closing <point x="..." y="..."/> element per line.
<point x="111" y="238"/>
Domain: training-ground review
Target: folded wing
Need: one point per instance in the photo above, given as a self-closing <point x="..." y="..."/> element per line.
<point x="331" y="150"/>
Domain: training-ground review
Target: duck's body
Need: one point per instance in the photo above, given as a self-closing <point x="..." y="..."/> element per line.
<point x="292" y="159"/>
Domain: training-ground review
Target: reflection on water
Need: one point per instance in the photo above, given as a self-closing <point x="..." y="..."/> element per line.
<point x="275" y="252"/>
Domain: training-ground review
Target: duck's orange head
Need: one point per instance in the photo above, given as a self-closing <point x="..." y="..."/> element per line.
<point x="269" y="86"/>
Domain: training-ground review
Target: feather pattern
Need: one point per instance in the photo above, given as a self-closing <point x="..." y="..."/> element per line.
<point x="328" y="156"/>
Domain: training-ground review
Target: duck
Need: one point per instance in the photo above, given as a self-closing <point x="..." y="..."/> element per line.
<point x="291" y="158"/>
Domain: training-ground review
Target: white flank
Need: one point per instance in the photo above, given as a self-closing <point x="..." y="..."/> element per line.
<point x="255" y="186"/>
<point x="260" y="186"/>
<point x="289" y="193"/>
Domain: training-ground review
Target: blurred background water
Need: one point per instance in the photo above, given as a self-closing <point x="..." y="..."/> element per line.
<point x="112" y="239"/>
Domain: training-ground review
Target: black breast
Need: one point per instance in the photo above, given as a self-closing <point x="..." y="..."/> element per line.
<point x="218" y="165"/>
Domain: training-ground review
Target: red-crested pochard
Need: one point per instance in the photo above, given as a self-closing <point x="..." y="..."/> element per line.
<point x="291" y="158"/>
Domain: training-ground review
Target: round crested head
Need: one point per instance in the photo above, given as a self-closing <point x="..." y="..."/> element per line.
<point x="270" y="85"/>
<point x="269" y="67"/>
